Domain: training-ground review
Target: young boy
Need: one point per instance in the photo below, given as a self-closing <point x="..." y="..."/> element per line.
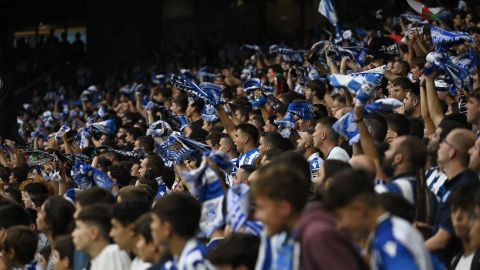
<point x="123" y="232"/>
<point x="279" y="202"/>
<point x="393" y="241"/>
<point x="92" y="226"/>
<point x="147" y="250"/>
<point x="175" y="220"/>
<point x="462" y="205"/>
<point x="19" y="247"/>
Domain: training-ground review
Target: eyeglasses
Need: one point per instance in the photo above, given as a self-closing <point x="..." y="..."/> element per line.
<point x="449" y="144"/>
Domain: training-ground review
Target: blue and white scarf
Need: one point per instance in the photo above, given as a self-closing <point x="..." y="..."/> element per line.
<point x="209" y="92"/>
<point x="384" y="105"/>
<point x="108" y="126"/>
<point x="238" y="206"/>
<point x="445" y="39"/>
<point x="205" y="184"/>
<point x="159" y="129"/>
<point x="86" y="176"/>
<point x="347" y="128"/>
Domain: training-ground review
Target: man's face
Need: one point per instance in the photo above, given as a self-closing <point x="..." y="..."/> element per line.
<point x="27" y="201"/>
<point x="409" y="102"/>
<point x="308" y="93"/>
<point x="444" y="150"/>
<point x="474" y="152"/>
<point x="461" y="222"/>
<point x="416" y="72"/>
<point x="269" y="127"/>
<point x="41" y="220"/>
<point x="240" y="177"/>
<point x="398" y="93"/>
<point x="190" y="110"/>
<point x="223" y="145"/>
<point x="82" y="235"/>
<point x="262" y="147"/>
<point x="176" y="108"/>
<point x="121" y="235"/>
<point x="303" y="142"/>
<point x="143" y="167"/>
<point x="156" y="228"/>
<point x="271" y="213"/>
<point x="475" y="228"/>
<point x="397" y="68"/>
<point x="240" y="139"/>
<point x="271" y="75"/>
<point x="473" y="111"/>
<point x="317" y="136"/>
<point x="388" y="162"/>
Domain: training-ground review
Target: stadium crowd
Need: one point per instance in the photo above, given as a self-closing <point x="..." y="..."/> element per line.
<point x="361" y="152"/>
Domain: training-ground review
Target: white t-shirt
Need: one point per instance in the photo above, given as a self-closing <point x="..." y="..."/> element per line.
<point x="339" y="154"/>
<point x="111" y="258"/>
<point x="138" y="264"/>
<point x="465" y="263"/>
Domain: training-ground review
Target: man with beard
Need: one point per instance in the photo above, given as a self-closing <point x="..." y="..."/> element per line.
<point x="311" y="154"/>
<point x="453" y="158"/>
<point x="412" y="102"/>
<point x="404" y="163"/>
<point x="435" y="177"/>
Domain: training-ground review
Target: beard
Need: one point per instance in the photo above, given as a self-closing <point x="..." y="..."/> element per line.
<point x="388" y="167"/>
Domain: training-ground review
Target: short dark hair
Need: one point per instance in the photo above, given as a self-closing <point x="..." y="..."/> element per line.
<point x="291" y="186"/>
<point x="23" y="241"/>
<point x="94" y="195"/>
<point x="38" y="192"/>
<point x="198" y="105"/>
<point x="152" y="183"/>
<point x="142" y="227"/>
<point x="405" y="67"/>
<point x="333" y="166"/>
<point x="236" y="250"/>
<point x="296" y="161"/>
<point x="251" y="130"/>
<point x="347" y="186"/>
<point x="98" y="215"/>
<point x="317" y="87"/>
<point x="136" y="193"/>
<point x="59" y="215"/>
<point x="182" y="211"/>
<point x="182" y="102"/>
<point x="65" y="247"/>
<point x="120" y="174"/>
<point x="248" y="168"/>
<point x="147" y="143"/>
<point x="214" y="137"/>
<point x="273" y="139"/>
<point x="464" y="196"/>
<point x="126" y="212"/>
<point x="15" y="213"/>
<point x="155" y="167"/>
<point x="327" y="122"/>
<point x="398" y="123"/>
<point x="378" y="126"/>
<point x="403" y="82"/>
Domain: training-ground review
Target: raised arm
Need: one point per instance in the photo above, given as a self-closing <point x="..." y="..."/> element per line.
<point x="429" y="125"/>
<point x="434" y="108"/>
<point x="227" y="122"/>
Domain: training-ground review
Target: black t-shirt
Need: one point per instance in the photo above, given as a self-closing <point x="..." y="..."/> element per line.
<point x="442" y="217"/>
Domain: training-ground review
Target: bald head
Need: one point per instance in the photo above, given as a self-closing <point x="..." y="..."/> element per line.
<point x="463" y="139"/>
<point x="365" y="163"/>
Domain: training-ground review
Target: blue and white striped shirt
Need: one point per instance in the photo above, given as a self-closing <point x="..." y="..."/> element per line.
<point x="404" y="185"/>
<point x="397" y="245"/>
<point x="192" y="257"/>
<point x="248" y="158"/>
